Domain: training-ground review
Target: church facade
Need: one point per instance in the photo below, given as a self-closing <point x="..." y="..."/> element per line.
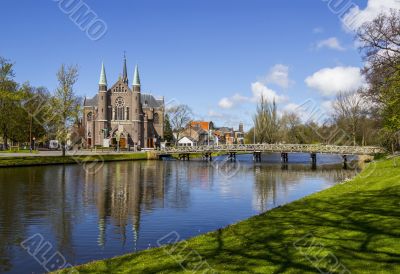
<point x="122" y="115"/>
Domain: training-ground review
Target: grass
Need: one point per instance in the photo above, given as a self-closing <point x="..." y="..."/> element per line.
<point x="50" y="160"/>
<point x="352" y="226"/>
<point x="18" y="151"/>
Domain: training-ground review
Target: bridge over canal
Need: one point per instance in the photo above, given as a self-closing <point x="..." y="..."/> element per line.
<point x="257" y="149"/>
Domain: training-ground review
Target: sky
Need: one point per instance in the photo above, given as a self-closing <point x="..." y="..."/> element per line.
<point x="216" y="56"/>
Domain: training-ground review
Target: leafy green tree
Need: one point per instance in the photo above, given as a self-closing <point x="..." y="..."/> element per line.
<point x="66" y="104"/>
<point x="379" y="41"/>
<point x="9" y="98"/>
<point x="168" y="134"/>
<point x="36" y="111"/>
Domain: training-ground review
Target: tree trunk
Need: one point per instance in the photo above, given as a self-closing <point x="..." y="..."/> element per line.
<point x="63" y="148"/>
<point x="5" y="139"/>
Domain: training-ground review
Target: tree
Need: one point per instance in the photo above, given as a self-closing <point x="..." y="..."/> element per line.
<point x="180" y="116"/>
<point x="34" y="112"/>
<point x="349" y="110"/>
<point x="289" y="125"/>
<point x="266" y="122"/>
<point x="168" y="134"/>
<point x="66" y="103"/>
<point x="380" y="45"/>
<point x="9" y="98"/>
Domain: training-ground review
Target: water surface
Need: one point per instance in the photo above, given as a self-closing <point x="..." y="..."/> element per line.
<point x="128" y="206"/>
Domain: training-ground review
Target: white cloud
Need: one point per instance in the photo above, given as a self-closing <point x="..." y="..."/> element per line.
<point x="279" y="75"/>
<point x="331" y="43"/>
<point x="318" y="30"/>
<point x="291" y="107"/>
<point x="259" y="89"/>
<point x="355" y="17"/>
<point x="214" y="114"/>
<point x="237" y="98"/>
<point x="330" y="81"/>
<point x="225" y="103"/>
<point x="327" y="106"/>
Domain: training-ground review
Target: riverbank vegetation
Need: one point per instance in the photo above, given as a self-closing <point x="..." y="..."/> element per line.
<point x="369" y="115"/>
<point x="352" y="226"/>
<point x="77" y="159"/>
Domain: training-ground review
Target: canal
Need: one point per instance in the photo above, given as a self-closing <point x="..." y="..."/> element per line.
<point x="50" y="213"/>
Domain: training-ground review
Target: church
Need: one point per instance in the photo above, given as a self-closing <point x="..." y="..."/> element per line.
<point x="122" y="116"/>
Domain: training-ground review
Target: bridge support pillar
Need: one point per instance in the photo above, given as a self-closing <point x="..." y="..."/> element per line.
<point x="344" y="161"/>
<point x="207" y="156"/>
<point x="314" y="159"/>
<point x="184" y="157"/>
<point x="257" y="156"/>
<point x="232" y="156"/>
<point x="284" y="157"/>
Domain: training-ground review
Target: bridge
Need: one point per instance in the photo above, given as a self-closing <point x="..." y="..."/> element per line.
<point x="257" y="149"/>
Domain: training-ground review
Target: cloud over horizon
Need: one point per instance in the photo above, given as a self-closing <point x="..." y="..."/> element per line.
<point x="355" y="17"/>
<point x="331" y="81"/>
<point x="330" y="43"/>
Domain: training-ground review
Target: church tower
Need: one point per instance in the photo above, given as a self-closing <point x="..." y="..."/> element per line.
<point x="101" y="121"/>
<point x="125" y="73"/>
<point x="137" y="112"/>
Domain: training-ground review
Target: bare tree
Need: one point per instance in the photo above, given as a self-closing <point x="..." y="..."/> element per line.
<point x="66" y="103"/>
<point x="179" y="117"/>
<point x="379" y="41"/>
<point x="266" y="122"/>
<point x="349" y="110"/>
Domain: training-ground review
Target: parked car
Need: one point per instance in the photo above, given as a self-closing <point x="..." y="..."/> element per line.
<point x="54" y="145"/>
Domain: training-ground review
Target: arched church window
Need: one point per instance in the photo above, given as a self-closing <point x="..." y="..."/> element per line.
<point x="120" y="108"/>
<point x="156" y="118"/>
<point x="89" y="116"/>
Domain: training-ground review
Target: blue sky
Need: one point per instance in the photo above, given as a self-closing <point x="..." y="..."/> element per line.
<point x="216" y="56"/>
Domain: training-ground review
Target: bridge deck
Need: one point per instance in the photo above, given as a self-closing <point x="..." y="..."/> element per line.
<point x="286" y="148"/>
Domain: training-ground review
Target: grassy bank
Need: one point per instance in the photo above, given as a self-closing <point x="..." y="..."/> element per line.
<point x="51" y="160"/>
<point x="352" y="226"/>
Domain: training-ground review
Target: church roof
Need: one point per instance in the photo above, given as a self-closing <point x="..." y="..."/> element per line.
<point x="148" y="101"/>
<point x="103" y="77"/>
<point x="91" y="102"/>
<point x="136" y="78"/>
<point x="125" y="72"/>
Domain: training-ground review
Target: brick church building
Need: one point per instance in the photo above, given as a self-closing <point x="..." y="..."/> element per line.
<point x="123" y="115"/>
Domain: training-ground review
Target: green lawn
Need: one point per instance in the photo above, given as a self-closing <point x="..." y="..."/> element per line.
<point x="48" y="160"/>
<point x="18" y="151"/>
<point x="354" y="227"/>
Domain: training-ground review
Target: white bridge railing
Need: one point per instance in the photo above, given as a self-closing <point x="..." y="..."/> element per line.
<point x="287" y="148"/>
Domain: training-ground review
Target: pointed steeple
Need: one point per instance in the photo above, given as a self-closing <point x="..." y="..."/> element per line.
<point x="125" y="72"/>
<point x="136" y="78"/>
<point x="103" y="77"/>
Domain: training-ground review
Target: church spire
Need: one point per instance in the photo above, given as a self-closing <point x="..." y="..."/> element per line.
<point x="136" y="78"/>
<point x="103" y="77"/>
<point x="124" y="72"/>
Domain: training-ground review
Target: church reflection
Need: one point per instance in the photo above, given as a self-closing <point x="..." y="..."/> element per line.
<point x="121" y="192"/>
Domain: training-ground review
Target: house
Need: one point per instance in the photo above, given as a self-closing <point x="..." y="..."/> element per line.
<point x="229" y="136"/>
<point x="187" y="142"/>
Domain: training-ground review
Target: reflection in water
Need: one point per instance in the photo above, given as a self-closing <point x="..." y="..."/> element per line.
<point x="127" y="206"/>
